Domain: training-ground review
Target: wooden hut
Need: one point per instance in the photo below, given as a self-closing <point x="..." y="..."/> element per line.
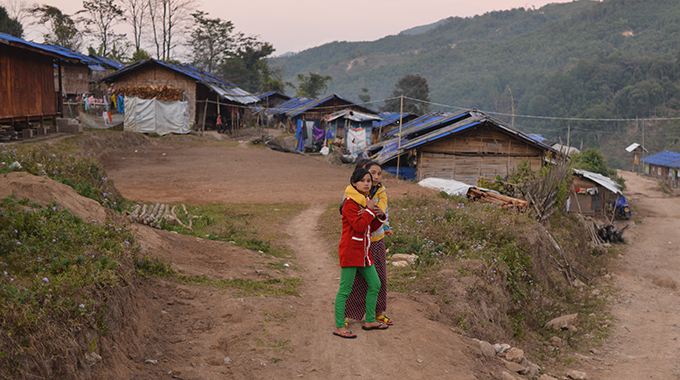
<point x="28" y="90"/>
<point x="207" y="94"/>
<point x="664" y="165"/>
<point x="591" y="193"/>
<point x="464" y="147"/>
<point x="390" y="122"/>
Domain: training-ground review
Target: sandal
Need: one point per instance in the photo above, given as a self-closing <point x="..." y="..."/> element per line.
<point x="380" y="326"/>
<point x="384" y="319"/>
<point x="345" y="334"/>
<point x="346" y="323"/>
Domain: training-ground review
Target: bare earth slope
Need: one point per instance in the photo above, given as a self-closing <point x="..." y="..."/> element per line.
<point x="645" y="341"/>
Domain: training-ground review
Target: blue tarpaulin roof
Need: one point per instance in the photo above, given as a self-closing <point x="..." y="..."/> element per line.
<point x="225" y="89"/>
<point x="298" y="105"/>
<point x="391" y="118"/>
<point x="665" y="158"/>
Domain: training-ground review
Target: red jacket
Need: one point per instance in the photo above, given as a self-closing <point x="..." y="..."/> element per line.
<point x="355" y="245"/>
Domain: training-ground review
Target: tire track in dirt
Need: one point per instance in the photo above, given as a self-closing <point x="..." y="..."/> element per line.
<point x="645" y="340"/>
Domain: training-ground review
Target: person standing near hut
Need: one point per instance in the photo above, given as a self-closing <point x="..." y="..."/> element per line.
<point x="355" y="308"/>
<point x="358" y="221"/>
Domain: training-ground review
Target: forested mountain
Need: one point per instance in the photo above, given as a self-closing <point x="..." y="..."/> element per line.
<point x="614" y="59"/>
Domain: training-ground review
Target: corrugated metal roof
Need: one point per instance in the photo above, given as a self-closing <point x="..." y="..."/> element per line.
<point x="601" y="180"/>
<point x="634" y="146"/>
<point x="352" y="115"/>
<point x="46" y="49"/>
<point x="665" y="158"/>
<point x="537" y="137"/>
<point x="234" y="94"/>
<point x="267" y="94"/>
<point x="226" y="89"/>
<point x="441" y="125"/>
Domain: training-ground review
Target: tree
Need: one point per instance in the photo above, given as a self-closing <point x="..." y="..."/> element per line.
<point x="137" y="12"/>
<point x="416" y="95"/>
<point x="313" y="85"/>
<point x="166" y="18"/>
<point x="63" y="29"/>
<point x="364" y="96"/>
<point x="248" y="67"/>
<point x="211" y="41"/>
<point x="140" y="55"/>
<point x="104" y="15"/>
<point x="9" y="25"/>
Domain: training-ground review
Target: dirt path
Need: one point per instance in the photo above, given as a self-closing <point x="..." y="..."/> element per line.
<point x="645" y="340"/>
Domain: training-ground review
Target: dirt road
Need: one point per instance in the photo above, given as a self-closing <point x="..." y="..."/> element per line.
<point x="196" y="333"/>
<point x="645" y="340"/>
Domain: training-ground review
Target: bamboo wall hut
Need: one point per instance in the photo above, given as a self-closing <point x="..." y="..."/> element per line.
<point x="207" y="95"/>
<point x="464" y="147"/>
<point x="664" y="165"/>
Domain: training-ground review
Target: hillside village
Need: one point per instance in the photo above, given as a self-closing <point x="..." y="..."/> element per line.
<point x="160" y="221"/>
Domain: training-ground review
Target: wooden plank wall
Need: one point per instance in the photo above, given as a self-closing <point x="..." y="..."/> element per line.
<point x="26" y="84"/>
<point x="481" y="152"/>
<point x="159" y="76"/>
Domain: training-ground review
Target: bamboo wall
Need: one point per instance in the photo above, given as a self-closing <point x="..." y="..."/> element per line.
<point x="159" y="76"/>
<point x="26" y="85"/>
<point x="482" y="152"/>
<point x="75" y="79"/>
<point x="587" y="204"/>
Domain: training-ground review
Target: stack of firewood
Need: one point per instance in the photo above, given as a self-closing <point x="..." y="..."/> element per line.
<point x="153" y="215"/>
<point x="165" y="93"/>
<point x="497" y="199"/>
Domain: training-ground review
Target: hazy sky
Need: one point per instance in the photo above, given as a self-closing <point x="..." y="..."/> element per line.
<point x="295" y="25"/>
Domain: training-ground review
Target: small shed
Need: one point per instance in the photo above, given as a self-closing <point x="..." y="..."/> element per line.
<point x="356" y="125"/>
<point x="637" y="151"/>
<point x="206" y="94"/>
<point x="313" y="111"/>
<point x="591" y="193"/>
<point x="465" y="147"/>
<point x="664" y="165"/>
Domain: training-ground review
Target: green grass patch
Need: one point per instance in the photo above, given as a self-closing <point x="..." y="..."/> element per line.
<point x="259" y="227"/>
<point x="55" y="270"/>
<point x="63" y="163"/>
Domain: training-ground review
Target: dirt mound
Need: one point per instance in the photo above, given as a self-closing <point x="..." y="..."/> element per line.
<point x="44" y="191"/>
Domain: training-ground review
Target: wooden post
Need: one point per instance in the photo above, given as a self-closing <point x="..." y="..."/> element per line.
<point x="205" y="111"/>
<point x="401" y="115"/>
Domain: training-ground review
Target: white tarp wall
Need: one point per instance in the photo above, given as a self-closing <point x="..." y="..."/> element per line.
<point x="151" y="115"/>
<point x="355" y="141"/>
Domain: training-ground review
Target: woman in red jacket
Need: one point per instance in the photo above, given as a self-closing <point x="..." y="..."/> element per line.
<point x="358" y="220"/>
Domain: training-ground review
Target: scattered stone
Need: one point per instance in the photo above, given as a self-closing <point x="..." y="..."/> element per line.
<point x="514" y="367"/>
<point x="595" y="292"/>
<point x="578" y="283"/>
<point x="515" y="355"/>
<point x="577" y="375"/>
<point x="151" y="361"/>
<point x="505" y="347"/>
<point x="546" y="377"/>
<point x="594" y="351"/>
<point x="563" y="322"/>
<point x="487" y="349"/>
<point x="410" y="259"/>
<point x="531" y="370"/>
<point x="556" y="341"/>
<point x="419" y="360"/>
<point x="91" y="358"/>
<point x="400" y="263"/>
<point x="227" y="360"/>
<point x="507" y="376"/>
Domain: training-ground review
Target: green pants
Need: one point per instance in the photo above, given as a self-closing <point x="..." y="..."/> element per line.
<point x="346" y="280"/>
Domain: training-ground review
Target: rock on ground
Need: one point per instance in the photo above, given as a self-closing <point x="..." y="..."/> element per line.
<point x="563" y="322"/>
<point x="515" y="355"/>
<point x="577" y="375"/>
